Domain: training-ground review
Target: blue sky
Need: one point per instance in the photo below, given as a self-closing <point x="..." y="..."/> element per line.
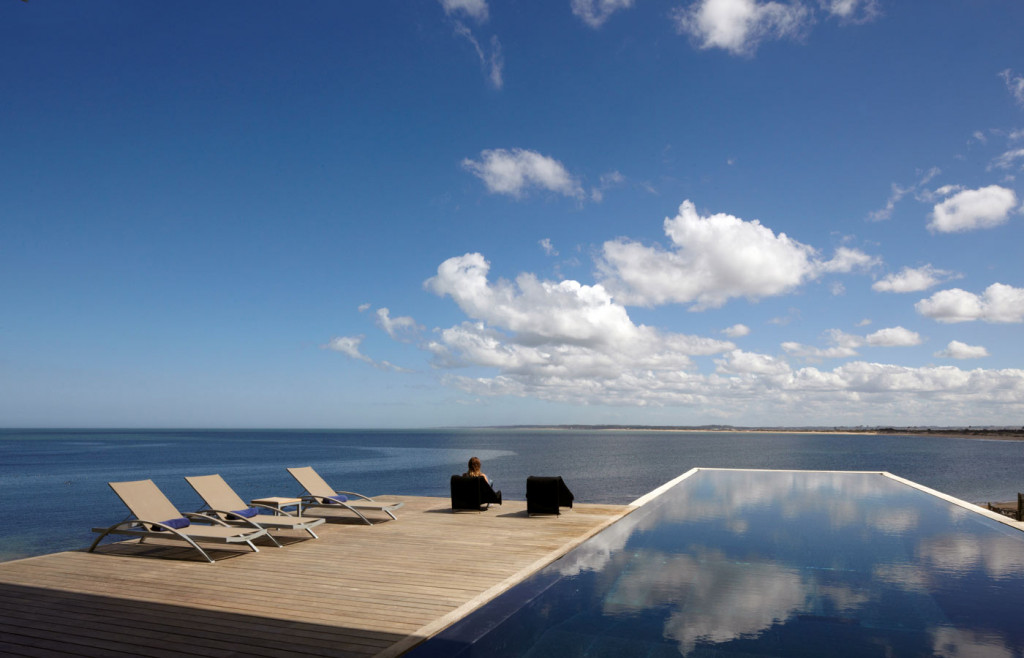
<point x="472" y="212"/>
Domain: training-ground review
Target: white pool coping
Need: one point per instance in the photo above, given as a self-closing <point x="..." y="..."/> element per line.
<point x="1017" y="525"/>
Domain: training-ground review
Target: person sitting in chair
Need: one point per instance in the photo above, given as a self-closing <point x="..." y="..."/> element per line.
<point x="469" y="493"/>
<point x="474" y="471"/>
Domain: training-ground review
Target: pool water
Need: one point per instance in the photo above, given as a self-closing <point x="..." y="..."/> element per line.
<point x="769" y="563"/>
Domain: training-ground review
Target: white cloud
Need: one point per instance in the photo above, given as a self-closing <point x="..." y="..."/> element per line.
<point x="402" y="328"/>
<point x="573" y="343"/>
<point x="739" y="26"/>
<point x="844" y="345"/>
<point x="595" y="12"/>
<point x="514" y="171"/>
<point x="912" y="279"/>
<point x="853" y="11"/>
<point x="476" y="9"/>
<point x="1014" y="84"/>
<point x="493" y="62"/>
<point x="548" y="334"/>
<point x="736" y="331"/>
<point x="958" y="350"/>
<point x="740" y="362"/>
<point x="539" y="311"/>
<point x="548" y="248"/>
<point x="898" y="192"/>
<point x="608" y="181"/>
<point x="849" y="260"/>
<point x="973" y="209"/>
<point x="349" y="346"/>
<point x="893" y="337"/>
<point x="1007" y="160"/>
<point x="999" y="303"/>
<point x="715" y="259"/>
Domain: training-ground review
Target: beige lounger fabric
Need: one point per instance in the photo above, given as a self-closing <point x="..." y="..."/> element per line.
<point x="150" y="507"/>
<point x="318" y="488"/>
<point x="219" y="495"/>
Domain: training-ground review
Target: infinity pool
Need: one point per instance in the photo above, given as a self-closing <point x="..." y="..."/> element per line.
<point x="769" y="563"/>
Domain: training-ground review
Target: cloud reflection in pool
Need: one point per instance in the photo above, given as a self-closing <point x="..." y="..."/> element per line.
<point x="770" y="563"/>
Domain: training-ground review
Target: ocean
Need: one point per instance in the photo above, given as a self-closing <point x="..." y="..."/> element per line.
<point x="53" y="482"/>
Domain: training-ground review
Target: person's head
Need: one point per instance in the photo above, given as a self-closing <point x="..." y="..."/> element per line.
<point x="474" y="464"/>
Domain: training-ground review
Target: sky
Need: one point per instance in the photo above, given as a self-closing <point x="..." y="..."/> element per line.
<point x="393" y="214"/>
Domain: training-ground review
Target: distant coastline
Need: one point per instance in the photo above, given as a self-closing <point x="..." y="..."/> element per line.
<point x="999" y="433"/>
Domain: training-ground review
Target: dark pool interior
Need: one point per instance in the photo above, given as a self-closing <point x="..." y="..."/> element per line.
<point x="769" y="563"/>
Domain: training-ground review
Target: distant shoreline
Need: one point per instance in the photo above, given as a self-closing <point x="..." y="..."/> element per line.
<point x="1001" y="434"/>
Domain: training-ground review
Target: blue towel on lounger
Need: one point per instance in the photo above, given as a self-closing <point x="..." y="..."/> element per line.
<point x="178" y="523"/>
<point x="248" y="512"/>
<point x="341" y="498"/>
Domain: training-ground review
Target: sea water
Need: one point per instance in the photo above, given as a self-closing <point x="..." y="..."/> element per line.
<point x="53" y="483"/>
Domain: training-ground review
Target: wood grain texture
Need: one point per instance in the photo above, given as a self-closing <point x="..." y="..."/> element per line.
<point x="357" y="591"/>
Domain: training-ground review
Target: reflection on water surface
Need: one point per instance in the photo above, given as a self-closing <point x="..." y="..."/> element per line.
<point x="770" y="563"/>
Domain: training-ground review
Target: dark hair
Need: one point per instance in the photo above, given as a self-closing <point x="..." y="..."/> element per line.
<point x="474" y="465"/>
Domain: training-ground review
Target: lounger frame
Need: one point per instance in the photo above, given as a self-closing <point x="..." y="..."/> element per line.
<point x="147" y="504"/>
<point x="217" y="493"/>
<point x="140" y="528"/>
<point x="310" y="479"/>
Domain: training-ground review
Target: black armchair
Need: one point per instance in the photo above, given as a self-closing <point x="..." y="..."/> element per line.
<point x="473" y="493"/>
<point x="544" y="495"/>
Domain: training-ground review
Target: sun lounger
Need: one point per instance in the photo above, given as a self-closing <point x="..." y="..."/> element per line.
<point x="155" y="516"/>
<point x="229" y="507"/>
<point x="320" y="494"/>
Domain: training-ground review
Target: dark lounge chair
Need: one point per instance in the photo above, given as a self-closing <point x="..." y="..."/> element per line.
<point x="545" y="495"/>
<point x="473" y="493"/>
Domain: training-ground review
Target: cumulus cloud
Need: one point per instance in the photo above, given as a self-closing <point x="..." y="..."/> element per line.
<point x="567" y="342"/>
<point x="548" y="334"/>
<point x="540" y="311"/>
<point x="714" y="259"/>
<point x="739" y="26"/>
<point x="750" y="363"/>
<point x="958" y="350"/>
<point x="912" y="279"/>
<point x="402" y="328"/>
<point x="1014" y="85"/>
<point x="843" y="345"/>
<point x="515" y="171"/>
<point x="849" y="260"/>
<point x="999" y="303"/>
<point x="893" y="337"/>
<point x="595" y="12"/>
<point x="736" y="331"/>
<point x="973" y="209"/>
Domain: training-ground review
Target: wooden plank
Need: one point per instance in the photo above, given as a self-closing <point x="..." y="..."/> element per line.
<point x="358" y="590"/>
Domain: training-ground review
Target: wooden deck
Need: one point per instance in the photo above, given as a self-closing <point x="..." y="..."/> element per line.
<point x="358" y="590"/>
